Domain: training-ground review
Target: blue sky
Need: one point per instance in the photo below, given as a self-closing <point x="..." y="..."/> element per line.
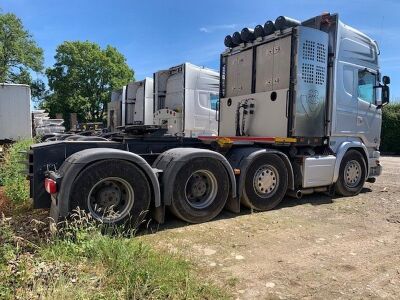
<point x="159" y="34"/>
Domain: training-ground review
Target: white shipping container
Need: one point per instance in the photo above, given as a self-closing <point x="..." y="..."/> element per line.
<point x="15" y="112"/>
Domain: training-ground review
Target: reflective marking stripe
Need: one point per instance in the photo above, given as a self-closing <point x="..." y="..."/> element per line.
<point x="230" y="139"/>
<point x="285" y="140"/>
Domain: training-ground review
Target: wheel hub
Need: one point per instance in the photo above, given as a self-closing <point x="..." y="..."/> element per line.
<point x="110" y="199"/>
<point x="109" y="196"/>
<point x="201" y="189"/>
<point x="352" y="173"/>
<point x="265" y="181"/>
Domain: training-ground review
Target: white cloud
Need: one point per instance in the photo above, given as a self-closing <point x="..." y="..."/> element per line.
<point x="212" y="28"/>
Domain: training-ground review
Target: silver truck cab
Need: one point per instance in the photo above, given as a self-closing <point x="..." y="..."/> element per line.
<point x="355" y="99"/>
<point x="316" y="81"/>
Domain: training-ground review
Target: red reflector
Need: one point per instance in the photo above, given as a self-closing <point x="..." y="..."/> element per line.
<point x="50" y="185"/>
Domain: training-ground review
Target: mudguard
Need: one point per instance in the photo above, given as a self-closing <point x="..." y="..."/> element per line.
<point x="171" y="161"/>
<point x="74" y="164"/>
<point x="241" y="158"/>
<point x="342" y="149"/>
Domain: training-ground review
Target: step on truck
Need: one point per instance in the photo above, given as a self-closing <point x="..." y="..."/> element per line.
<point x="299" y="112"/>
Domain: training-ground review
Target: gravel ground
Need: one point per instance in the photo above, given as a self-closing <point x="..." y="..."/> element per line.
<point x="315" y="248"/>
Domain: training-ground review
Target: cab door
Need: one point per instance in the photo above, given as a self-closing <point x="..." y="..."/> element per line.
<point x="369" y="117"/>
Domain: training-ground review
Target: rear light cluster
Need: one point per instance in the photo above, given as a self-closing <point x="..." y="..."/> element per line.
<point x="50" y="186"/>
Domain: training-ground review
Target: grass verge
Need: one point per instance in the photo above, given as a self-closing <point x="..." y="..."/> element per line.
<point x="80" y="262"/>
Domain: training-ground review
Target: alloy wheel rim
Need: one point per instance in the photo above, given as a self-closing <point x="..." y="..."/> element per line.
<point x="266" y="181"/>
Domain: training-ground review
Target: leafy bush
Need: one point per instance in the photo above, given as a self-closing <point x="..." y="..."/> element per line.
<point x="391" y="129"/>
<point x="12" y="176"/>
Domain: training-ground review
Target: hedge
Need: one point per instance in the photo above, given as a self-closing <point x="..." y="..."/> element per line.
<point x="390" y="138"/>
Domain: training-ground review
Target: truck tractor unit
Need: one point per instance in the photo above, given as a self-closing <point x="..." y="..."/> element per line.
<point x="185" y="100"/>
<point x="137" y="107"/>
<point x="299" y="111"/>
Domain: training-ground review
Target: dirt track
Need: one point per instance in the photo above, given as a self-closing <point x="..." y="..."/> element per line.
<point x="316" y="247"/>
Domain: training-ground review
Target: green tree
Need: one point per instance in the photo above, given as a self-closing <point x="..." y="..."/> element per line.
<point x="82" y="79"/>
<point x="19" y="54"/>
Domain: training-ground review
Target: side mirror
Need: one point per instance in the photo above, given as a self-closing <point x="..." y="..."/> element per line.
<point x="385" y="92"/>
<point x="385" y="95"/>
<point x="386" y="80"/>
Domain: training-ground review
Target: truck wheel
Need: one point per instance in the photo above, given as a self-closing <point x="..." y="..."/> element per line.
<point x="352" y="174"/>
<point x="266" y="183"/>
<point x="200" y="190"/>
<point x="113" y="192"/>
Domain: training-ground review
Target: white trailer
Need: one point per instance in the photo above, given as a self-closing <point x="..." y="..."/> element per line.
<point x="15" y="112"/>
<point x="185" y="99"/>
<point x="300" y="112"/>
<point x="138" y="104"/>
<point x="115" y="117"/>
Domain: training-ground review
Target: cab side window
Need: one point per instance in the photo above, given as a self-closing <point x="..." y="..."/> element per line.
<point x="366" y="83"/>
<point x="214" y="99"/>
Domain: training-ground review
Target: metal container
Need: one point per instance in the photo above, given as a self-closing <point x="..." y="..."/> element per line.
<point x="264" y="102"/>
<point x="15" y="114"/>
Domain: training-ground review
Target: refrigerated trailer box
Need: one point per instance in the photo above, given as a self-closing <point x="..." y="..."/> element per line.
<point x="138" y="105"/>
<point x="15" y="112"/>
<point x="185" y="100"/>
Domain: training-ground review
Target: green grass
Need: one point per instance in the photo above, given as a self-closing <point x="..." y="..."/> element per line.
<point x="12" y="176"/>
<point x="80" y="262"/>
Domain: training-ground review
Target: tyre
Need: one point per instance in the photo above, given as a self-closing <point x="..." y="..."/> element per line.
<point x="266" y="183"/>
<point x="200" y="190"/>
<point x="352" y="174"/>
<point x="113" y="192"/>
